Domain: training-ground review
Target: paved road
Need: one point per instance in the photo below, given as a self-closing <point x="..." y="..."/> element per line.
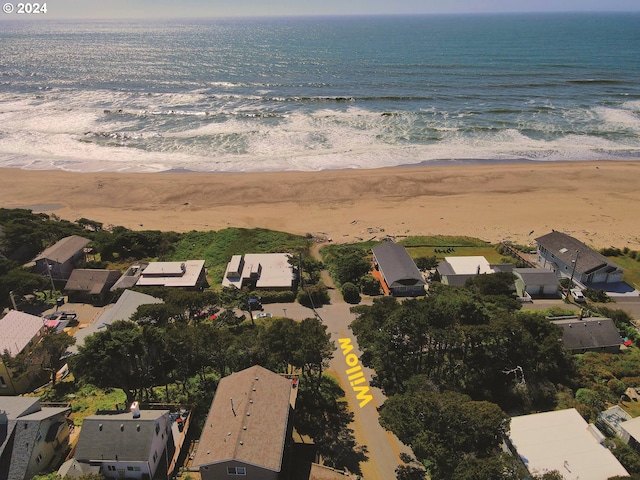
<point x="383" y="447"/>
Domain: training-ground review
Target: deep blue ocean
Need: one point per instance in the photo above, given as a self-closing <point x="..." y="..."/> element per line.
<point x="318" y="93"/>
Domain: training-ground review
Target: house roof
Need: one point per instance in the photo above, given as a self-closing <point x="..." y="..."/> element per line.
<point x="172" y="274"/>
<point x="247" y="421"/>
<point x="123" y="309"/>
<point x="118" y="435"/>
<point x="589" y="333"/>
<point x="130" y="277"/>
<point x="275" y="270"/>
<point x="16" y="407"/>
<point x="536" y="276"/>
<point x="92" y="281"/>
<point x="64" y="249"/>
<point x="396" y="265"/>
<point x="565" y="247"/>
<point x="561" y="440"/>
<point x="17" y="329"/>
<point x="632" y="427"/>
<point x="469" y="265"/>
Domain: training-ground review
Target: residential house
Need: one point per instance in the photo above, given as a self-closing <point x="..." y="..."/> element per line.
<point x="123" y="309"/>
<point x="570" y="258"/>
<point x="536" y="282"/>
<point x="562" y="440"/>
<point x="630" y="433"/>
<point x="612" y="421"/>
<point x="33" y="439"/>
<point x="136" y="444"/>
<point x="88" y="285"/>
<point x="270" y="271"/>
<point x="61" y="258"/>
<point x="581" y="335"/>
<point x="455" y="271"/>
<point x="19" y="331"/>
<point x="130" y="277"/>
<point x="398" y="270"/>
<point x="248" y="427"/>
<point x="190" y="275"/>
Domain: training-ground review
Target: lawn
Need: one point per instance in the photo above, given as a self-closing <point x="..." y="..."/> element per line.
<point x="631" y="268"/>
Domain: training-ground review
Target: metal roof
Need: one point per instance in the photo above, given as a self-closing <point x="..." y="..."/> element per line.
<point x="64" y="249"/>
<point x="396" y="265"/>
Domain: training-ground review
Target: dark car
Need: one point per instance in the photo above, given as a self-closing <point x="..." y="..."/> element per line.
<point x="72" y="317"/>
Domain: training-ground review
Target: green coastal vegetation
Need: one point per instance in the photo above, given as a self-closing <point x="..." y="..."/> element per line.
<point x="455" y="364"/>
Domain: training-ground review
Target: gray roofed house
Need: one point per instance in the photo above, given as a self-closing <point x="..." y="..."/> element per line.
<point x="536" y="282"/>
<point x="569" y="257"/>
<point x="32" y="439"/>
<point x="123" y="309"/>
<point x="248" y="426"/>
<point x="130" y="277"/>
<point x="90" y="285"/>
<point x="62" y="257"/>
<point x="589" y="334"/>
<point x="398" y="269"/>
<point x="121" y="443"/>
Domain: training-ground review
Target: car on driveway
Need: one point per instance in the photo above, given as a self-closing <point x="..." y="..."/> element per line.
<point x="72" y="317"/>
<point x="577" y="295"/>
<point x="263" y="315"/>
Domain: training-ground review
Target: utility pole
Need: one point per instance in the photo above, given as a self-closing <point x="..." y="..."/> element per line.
<point x="573" y="270"/>
<point x="53" y="287"/>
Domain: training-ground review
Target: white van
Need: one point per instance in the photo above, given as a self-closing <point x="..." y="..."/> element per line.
<point x="577" y="295"/>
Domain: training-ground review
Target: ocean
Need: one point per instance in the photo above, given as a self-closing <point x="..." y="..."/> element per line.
<point x="276" y="94"/>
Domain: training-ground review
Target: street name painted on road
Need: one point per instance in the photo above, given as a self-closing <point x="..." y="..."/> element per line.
<point x="355" y="373"/>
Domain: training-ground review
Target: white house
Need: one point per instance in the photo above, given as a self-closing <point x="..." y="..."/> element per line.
<point x="259" y="270"/>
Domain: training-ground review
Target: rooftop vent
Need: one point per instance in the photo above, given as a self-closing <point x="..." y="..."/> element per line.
<point x="135" y="409"/>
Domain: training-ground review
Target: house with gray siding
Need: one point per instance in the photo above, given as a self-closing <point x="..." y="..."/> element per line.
<point x="536" y="282"/>
<point x="568" y="257"/>
<point x="62" y="257"/>
<point x="398" y="270"/>
<point x="581" y="335"/>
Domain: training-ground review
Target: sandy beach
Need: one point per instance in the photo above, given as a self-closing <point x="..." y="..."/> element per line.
<point x="597" y="202"/>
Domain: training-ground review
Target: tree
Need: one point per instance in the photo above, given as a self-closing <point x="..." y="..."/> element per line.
<point x="21" y="282"/>
<point x="350" y="293"/>
<point x="351" y="267"/>
<point x="157" y="314"/>
<point x="370" y="285"/>
<point x="426" y="263"/>
<point x="313" y="350"/>
<point x="50" y="351"/>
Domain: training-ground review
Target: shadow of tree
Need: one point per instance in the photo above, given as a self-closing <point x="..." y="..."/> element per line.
<point x="324" y="416"/>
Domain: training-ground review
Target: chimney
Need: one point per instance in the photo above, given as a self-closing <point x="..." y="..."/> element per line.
<point x="135" y="409"/>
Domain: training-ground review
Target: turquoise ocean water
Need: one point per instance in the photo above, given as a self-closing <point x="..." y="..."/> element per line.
<point x="318" y="93"/>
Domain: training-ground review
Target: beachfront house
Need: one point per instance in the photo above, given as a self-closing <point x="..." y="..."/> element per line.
<point x="19" y="332"/>
<point x="568" y="257"/>
<point x="398" y="270"/>
<point x="33" y="439"/>
<point x="189" y="275"/>
<point x="134" y="444"/>
<point x="270" y="271"/>
<point x="562" y="440"/>
<point x="455" y="271"/>
<point x="61" y="258"/>
<point x="581" y="335"/>
<point x="89" y="285"/>
<point x="248" y="428"/>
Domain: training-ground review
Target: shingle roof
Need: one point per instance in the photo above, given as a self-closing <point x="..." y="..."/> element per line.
<point x="92" y="281"/>
<point x="17" y="329"/>
<point x="537" y="276"/>
<point x="107" y="436"/>
<point x="564" y="247"/>
<point x="247" y="421"/>
<point x="64" y="249"/>
<point x="589" y="333"/>
<point x="398" y="267"/>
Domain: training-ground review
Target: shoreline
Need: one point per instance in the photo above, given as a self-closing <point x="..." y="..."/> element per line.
<point x="596" y="201"/>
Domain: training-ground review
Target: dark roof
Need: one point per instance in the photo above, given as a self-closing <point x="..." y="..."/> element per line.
<point x="398" y="267"/>
<point x="92" y="281"/>
<point x="64" y="249"/>
<point x="247" y="421"/>
<point x="589" y="333"/>
<point x="565" y="247"/>
<point x="536" y="276"/>
<point x="118" y="435"/>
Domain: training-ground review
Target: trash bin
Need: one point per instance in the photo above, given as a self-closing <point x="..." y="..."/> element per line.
<point x="60" y="301"/>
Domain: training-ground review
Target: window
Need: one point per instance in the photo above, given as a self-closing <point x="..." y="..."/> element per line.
<point x="236" y="471"/>
<point x="39" y="458"/>
<point x="157" y="428"/>
<point x="111" y="468"/>
<point x="3" y="384"/>
<point x="155" y="456"/>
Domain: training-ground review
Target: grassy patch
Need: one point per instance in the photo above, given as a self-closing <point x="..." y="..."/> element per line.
<point x="217" y="248"/>
<point x="631" y="267"/>
<point x="443" y="241"/>
<point x="487" y="251"/>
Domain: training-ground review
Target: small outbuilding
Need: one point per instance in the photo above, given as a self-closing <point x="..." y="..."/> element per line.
<point x="536" y="282"/>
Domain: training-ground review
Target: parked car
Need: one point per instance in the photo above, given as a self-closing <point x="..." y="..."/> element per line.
<point x="577" y="295"/>
<point x="63" y="315"/>
<point x="263" y="315"/>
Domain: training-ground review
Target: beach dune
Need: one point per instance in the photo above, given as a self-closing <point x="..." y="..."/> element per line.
<point x="598" y="202"/>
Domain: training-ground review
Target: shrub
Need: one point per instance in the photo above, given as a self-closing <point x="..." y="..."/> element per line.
<point x="426" y="263"/>
<point x="370" y="285"/>
<point x="314" y="295"/>
<point x="599" y="296"/>
<point x="350" y="293"/>
<point x="275" y="296"/>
